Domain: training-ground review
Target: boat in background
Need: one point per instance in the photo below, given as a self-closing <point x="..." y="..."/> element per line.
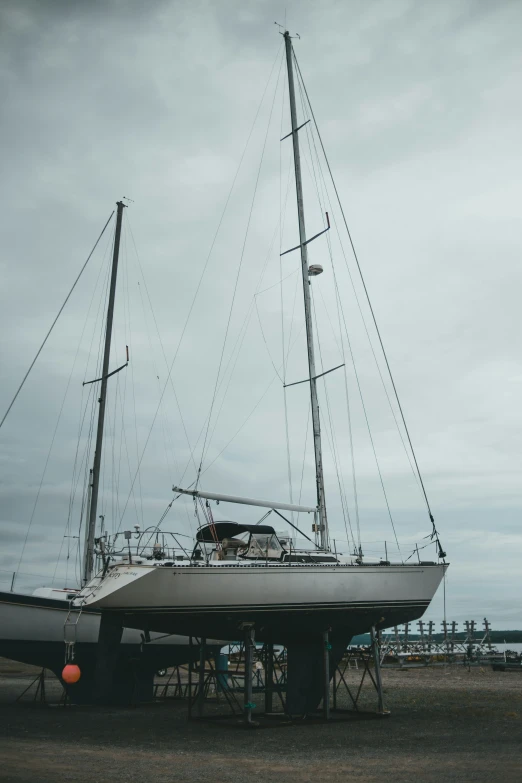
<point x="32" y="631"/>
<point x="40" y="629"/>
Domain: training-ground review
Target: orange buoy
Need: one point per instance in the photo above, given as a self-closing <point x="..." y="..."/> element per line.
<point x="71" y="673"/>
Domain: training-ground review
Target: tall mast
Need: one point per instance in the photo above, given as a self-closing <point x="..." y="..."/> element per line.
<point x="319" y="478"/>
<point x="88" y="554"/>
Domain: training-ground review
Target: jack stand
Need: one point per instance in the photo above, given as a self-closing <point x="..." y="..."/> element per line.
<point x="201" y="676"/>
<point x="326" y="672"/>
<point x="269" y="677"/>
<point x="39" y="694"/>
<point x="210" y="680"/>
<point x="377" y="664"/>
<point x="362" y="660"/>
<point x="248" y="704"/>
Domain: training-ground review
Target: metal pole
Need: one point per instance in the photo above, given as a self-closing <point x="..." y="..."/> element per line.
<point x="201" y="675"/>
<point x="88" y="555"/>
<point x="269" y="676"/>
<point x="13" y="581"/>
<point x="326" y="672"/>
<point x="249" y="649"/>
<point x="334" y="692"/>
<point x="190" y="679"/>
<point x="377" y="664"/>
<point x="87" y="530"/>
<point x="321" y="502"/>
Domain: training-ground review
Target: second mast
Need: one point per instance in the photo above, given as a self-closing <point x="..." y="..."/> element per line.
<point x="88" y="555"/>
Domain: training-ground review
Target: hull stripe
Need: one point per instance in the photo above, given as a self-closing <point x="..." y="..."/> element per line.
<point x="339" y="605"/>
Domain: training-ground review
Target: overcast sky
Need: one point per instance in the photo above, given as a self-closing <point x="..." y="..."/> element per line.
<point x="418" y="107"/>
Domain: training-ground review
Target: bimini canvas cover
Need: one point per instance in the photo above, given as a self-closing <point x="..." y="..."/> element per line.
<point x="222" y="530"/>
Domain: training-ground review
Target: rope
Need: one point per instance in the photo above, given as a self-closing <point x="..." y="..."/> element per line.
<point x="432" y="519"/>
<point x="54" y="322"/>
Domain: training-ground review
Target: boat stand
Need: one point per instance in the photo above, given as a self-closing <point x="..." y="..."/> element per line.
<point x="259" y="673"/>
<point x="365" y="659"/>
<point x="251" y="672"/>
<point x="39" y="694"/>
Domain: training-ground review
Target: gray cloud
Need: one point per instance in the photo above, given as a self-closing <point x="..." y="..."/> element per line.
<point x="417" y="106"/>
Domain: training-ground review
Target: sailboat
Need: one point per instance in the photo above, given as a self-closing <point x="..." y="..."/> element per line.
<point x="33" y="627"/>
<point x="244" y="576"/>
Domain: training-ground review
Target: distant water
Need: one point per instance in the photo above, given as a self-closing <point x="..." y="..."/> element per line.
<point x="516" y="646"/>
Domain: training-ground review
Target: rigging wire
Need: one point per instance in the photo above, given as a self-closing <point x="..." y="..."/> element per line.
<point x="261" y="398"/>
<point x="123" y="400"/>
<point x="97" y="370"/>
<point x="238" y="273"/>
<point x="133" y="392"/>
<point x="356" y="374"/>
<point x="67" y="530"/>
<point x="166" y="425"/>
<point x="200" y="281"/>
<point x="285" y="399"/>
<point x="54" y="322"/>
<point x="332" y="438"/>
<point x="138" y="516"/>
<point x="239" y="344"/>
<point x="53" y="438"/>
<point x="245" y="421"/>
<point x="435" y="534"/>
<point x="304" y="458"/>
<point x="322" y="206"/>
<point x="81" y="419"/>
<point x="325" y="199"/>
<point x="280" y="226"/>
<point x="279" y="281"/>
<point x="159" y="338"/>
<point x="266" y="345"/>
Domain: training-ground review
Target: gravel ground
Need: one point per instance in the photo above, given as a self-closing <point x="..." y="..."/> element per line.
<point x="446" y="724"/>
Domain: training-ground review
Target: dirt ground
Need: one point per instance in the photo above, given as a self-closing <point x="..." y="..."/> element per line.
<point x="445" y="724"/>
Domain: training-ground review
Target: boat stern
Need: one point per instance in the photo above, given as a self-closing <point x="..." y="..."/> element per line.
<point x="105" y="590"/>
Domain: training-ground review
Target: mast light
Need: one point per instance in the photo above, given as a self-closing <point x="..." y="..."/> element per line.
<point x="314" y="270"/>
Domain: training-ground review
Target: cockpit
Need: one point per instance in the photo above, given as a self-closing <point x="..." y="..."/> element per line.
<point x="232" y="541"/>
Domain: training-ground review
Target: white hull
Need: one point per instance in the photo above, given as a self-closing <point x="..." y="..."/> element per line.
<point x="283" y="600"/>
<point x="21" y="621"/>
<point x="32" y="631"/>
